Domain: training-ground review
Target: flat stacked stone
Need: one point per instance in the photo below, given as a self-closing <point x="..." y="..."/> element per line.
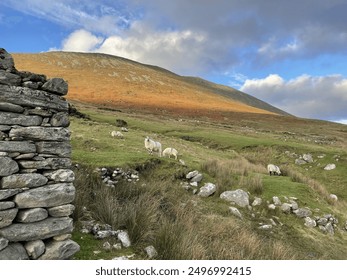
<point x="36" y="180"/>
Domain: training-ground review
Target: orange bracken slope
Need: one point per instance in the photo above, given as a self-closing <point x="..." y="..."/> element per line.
<point x="121" y="83"/>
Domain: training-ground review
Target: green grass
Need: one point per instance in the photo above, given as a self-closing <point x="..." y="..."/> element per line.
<point x="227" y="156"/>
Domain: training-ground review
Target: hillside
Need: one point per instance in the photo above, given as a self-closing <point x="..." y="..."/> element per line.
<point x="120" y="83"/>
<point x="150" y="197"/>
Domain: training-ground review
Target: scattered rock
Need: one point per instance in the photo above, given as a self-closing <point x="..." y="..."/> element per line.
<point x="151" y="252"/>
<point x="124" y="238"/>
<point x="302" y="212"/>
<point x="240" y="197"/>
<point x="207" y="190"/>
<point x="330" y="166"/>
<point x="309" y="222"/>
<point x="257" y="201"/>
<point x="235" y="212"/>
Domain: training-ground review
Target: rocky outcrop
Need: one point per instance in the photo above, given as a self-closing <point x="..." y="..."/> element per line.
<point x="36" y="181"/>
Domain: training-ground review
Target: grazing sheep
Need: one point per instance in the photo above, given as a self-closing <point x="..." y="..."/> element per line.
<point x="273" y="170"/>
<point x="333" y="197"/>
<point x="152" y="146"/>
<point x="117" y="134"/>
<point x="170" y="152"/>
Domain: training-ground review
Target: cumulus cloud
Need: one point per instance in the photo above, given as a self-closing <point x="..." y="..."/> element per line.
<point x="304" y="96"/>
<point x="81" y="41"/>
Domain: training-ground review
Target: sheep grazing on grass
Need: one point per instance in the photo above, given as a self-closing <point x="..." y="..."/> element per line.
<point x="152" y="146"/>
<point x="273" y="170"/>
<point x="170" y="152"/>
<point x="117" y="134"/>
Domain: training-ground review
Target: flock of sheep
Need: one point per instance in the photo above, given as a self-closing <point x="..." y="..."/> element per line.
<point x="150" y="145"/>
<point x="155" y="146"/>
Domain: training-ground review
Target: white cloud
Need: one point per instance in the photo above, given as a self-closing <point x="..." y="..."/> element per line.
<point x="304" y="96"/>
<point x="81" y="41"/>
<point x="174" y="50"/>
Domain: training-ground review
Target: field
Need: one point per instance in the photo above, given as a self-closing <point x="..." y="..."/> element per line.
<point x="232" y="153"/>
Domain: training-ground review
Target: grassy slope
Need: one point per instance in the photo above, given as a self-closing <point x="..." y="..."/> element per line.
<point x="199" y="142"/>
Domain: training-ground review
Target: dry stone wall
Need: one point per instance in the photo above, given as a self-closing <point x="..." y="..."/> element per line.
<point x="36" y="182"/>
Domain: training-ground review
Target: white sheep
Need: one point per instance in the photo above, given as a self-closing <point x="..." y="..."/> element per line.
<point x="152" y="146"/>
<point x="170" y="152"/>
<point x="273" y="170"/>
<point x="333" y="197"/>
<point x="117" y="134"/>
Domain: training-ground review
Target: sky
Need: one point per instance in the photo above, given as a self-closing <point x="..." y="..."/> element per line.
<point x="291" y="54"/>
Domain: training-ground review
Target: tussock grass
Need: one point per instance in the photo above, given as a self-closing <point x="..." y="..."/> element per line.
<point x="253" y="183"/>
<point x="227" y="172"/>
<point x="153" y="214"/>
<point x="318" y="187"/>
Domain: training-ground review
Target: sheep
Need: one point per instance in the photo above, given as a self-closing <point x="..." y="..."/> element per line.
<point x="117" y="134"/>
<point x="273" y="170"/>
<point x="333" y="197"/>
<point x="170" y="152"/>
<point x="152" y="146"/>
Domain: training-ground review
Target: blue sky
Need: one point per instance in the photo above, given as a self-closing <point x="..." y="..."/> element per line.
<point x="291" y="54"/>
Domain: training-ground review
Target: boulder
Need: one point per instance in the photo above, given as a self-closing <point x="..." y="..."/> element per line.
<point x="276" y="201"/>
<point x="330" y="166"/>
<point x="329" y="228"/>
<point x="207" y="190"/>
<point x="192" y="174"/>
<point x="300" y="161"/>
<point x="309" y="222"/>
<point x="308" y="158"/>
<point x="240" y="197"/>
<point x="257" y="201"/>
<point x="286" y="208"/>
<point x="197" y="178"/>
<point x="302" y="212"/>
